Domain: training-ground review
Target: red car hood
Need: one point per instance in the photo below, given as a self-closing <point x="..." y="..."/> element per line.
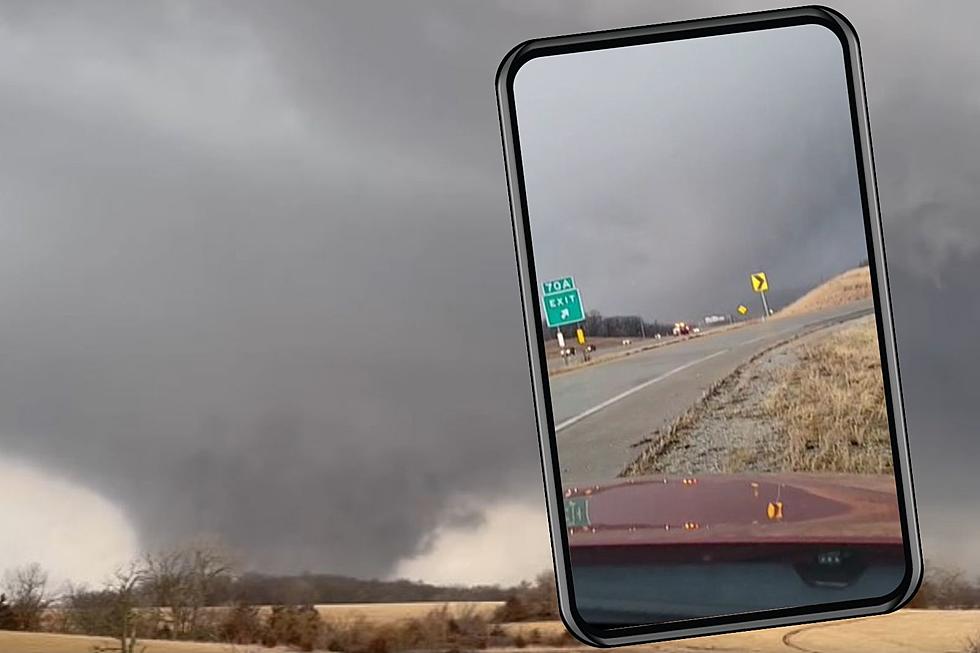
<point x="729" y="509"/>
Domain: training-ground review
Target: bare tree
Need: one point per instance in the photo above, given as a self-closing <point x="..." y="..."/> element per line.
<point x="8" y="620"/>
<point x="181" y="580"/>
<point x="122" y="590"/>
<point x="27" y="589"/>
<point x="167" y="581"/>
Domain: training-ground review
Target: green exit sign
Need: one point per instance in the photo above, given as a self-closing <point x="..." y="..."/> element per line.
<point x="563" y="308"/>
<point x="576" y="513"/>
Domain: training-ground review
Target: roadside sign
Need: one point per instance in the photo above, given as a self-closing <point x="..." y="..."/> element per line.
<point x="562" y="303"/>
<point x="558" y="285"/>
<point x="760" y="284"/>
<point x="561" y="340"/>
<point x="563" y="308"/>
<point x="576" y="513"/>
<point x="742" y="309"/>
<point x="580" y="334"/>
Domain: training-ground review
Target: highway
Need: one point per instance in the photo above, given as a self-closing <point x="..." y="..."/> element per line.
<point x="602" y="410"/>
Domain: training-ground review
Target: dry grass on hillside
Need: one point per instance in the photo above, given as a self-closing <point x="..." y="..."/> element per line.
<point x="851" y="286"/>
<point x="831" y="404"/>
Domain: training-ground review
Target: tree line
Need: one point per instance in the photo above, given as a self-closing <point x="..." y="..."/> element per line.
<point x="947" y="588"/>
<point x="196" y="593"/>
<point x="598" y="325"/>
<point x="264" y="589"/>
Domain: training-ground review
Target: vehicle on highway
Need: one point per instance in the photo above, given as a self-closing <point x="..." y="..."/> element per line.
<point x="681" y="329"/>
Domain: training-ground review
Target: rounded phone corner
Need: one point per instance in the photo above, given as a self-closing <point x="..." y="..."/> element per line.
<point x="577" y="628"/>
<point x="910" y="584"/>
<point x="840" y="20"/>
<point x="512" y="62"/>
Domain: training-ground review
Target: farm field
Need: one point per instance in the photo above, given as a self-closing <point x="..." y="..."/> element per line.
<point x="923" y="631"/>
<point x="395" y="612"/>
<point x="14" y="642"/>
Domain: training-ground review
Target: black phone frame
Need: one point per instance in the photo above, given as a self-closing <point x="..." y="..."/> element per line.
<point x="506" y="73"/>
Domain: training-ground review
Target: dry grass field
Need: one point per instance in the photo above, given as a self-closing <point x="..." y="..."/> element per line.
<point x="387" y="613"/>
<point x="607" y="349"/>
<point x="921" y="631"/>
<point x="12" y="642"/>
<point x="851" y="286"/>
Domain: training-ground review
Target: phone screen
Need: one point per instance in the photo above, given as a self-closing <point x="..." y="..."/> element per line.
<point x="705" y="293"/>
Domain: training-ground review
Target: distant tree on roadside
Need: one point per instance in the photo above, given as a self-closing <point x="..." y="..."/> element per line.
<point x="123" y="594"/>
<point x="27" y="589"/>
<point x="598" y="325"/>
<point x="241" y="625"/>
<point x="292" y="625"/>
<point x="87" y="612"/>
<point x="946" y="588"/>
<point x="8" y="621"/>
<point x="531" y="602"/>
<point x="182" y="581"/>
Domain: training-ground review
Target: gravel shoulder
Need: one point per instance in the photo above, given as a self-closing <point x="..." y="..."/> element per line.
<point x="753" y="420"/>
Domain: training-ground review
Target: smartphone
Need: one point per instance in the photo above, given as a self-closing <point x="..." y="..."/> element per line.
<point x="709" y="329"/>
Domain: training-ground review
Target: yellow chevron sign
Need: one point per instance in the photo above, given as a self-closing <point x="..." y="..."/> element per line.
<point x="759" y="282"/>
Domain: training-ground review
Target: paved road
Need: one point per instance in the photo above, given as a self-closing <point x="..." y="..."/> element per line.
<point x="601" y="411"/>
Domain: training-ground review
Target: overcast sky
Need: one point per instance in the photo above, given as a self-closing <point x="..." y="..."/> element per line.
<point x="257" y="278"/>
<point x="661" y="176"/>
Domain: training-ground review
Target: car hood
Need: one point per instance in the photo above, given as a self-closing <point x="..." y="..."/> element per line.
<point x="735" y="509"/>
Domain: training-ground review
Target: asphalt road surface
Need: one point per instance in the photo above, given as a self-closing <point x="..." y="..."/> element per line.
<point x="602" y="410"/>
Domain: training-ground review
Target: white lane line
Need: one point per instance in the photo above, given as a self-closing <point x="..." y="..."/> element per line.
<point x="622" y="395"/>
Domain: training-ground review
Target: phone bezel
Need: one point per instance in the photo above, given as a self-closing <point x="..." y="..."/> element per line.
<point x="506" y="73"/>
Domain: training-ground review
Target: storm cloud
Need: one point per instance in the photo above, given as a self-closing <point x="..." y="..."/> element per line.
<point x="257" y="276"/>
<point x="662" y="176"/>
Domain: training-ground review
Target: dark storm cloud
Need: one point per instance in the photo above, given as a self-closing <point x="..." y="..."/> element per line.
<point x="252" y="287"/>
<point x="257" y="272"/>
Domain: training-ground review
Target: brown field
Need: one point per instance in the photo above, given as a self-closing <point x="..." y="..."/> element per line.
<point x="605" y="346"/>
<point x="11" y="642"/>
<point x="387" y="613"/>
<point x="851" y="286"/>
<point x="608" y="349"/>
<point x="847" y="429"/>
<point x="922" y="631"/>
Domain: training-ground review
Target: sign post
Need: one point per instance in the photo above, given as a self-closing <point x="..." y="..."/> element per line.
<point x="760" y="284"/>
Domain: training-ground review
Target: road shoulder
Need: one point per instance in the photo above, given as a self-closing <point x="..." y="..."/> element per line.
<point x="738" y="424"/>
